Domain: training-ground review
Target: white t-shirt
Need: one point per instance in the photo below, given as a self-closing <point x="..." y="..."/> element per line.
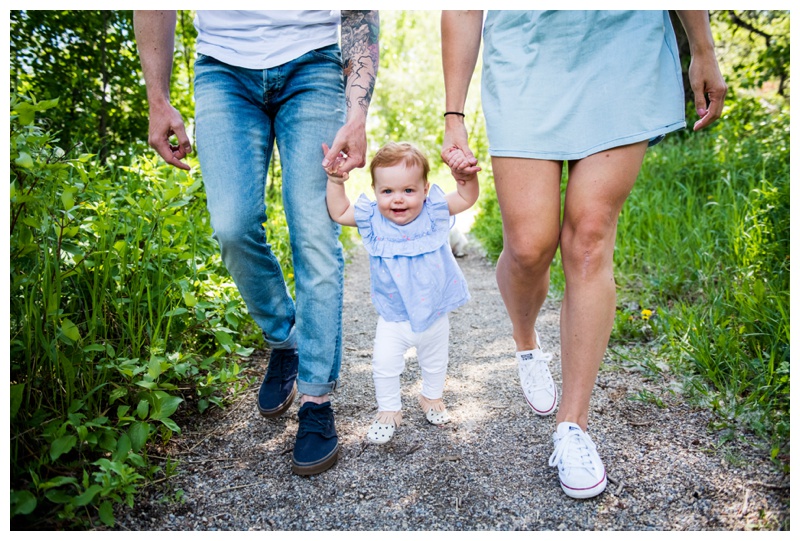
<point x="264" y="39"/>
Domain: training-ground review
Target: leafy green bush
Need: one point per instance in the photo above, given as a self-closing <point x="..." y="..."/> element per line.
<point x="118" y="304"/>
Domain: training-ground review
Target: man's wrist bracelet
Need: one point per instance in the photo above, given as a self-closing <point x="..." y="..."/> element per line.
<point x="454" y="113"/>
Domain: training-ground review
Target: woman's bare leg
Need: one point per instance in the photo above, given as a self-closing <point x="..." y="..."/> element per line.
<point x="597" y="189"/>
<point x="529" y="195"/>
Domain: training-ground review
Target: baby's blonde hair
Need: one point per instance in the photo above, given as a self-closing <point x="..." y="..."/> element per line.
<point x="394" y="153"/>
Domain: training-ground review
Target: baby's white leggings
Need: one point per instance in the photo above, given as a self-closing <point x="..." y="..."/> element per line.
<point x="392" y="340"/>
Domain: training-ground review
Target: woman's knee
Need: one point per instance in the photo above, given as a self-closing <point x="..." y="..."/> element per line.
<point x="530" y="254"/>
<point x="588" y="244"/>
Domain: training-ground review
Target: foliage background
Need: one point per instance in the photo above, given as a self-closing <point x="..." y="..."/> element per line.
<point x="123" y="320"/>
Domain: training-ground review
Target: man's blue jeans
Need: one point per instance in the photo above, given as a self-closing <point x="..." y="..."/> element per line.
<point x="240" y="113"/>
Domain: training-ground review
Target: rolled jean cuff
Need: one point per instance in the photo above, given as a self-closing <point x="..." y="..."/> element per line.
<point x="289" y="343"/>
<point x="316" y="389"/>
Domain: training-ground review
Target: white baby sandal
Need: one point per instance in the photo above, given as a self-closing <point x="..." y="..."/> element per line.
<point x="434" y="410"/>
<point x="382" y="429"/>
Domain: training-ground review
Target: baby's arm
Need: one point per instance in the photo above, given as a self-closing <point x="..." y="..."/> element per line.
<point x="341" y="210"/>
<point x="467" y="187"/>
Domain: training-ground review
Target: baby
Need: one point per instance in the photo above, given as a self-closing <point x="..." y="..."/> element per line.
<point x="415" y="278"/>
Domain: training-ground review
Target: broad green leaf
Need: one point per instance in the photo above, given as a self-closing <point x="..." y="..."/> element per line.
<point x="71" y="248"/>
<point x="136" y="460"/>
<point x="44" y="105"/>
<point x="32" y="221"/>
<point x="87" y="497"/>
<point x="169" y="423"/>
<point x="108" y="441"/>
<point x="94" y="347"/>
<point x="117" y="393"/>
<point x="165" y="405"/>
<point x="17" y="391"/>
<point x="62" y="445"/>
<point x="23" y="502"/>
<point x="123" y="448"/>
<point x="76" y="405"/>
<point x="175" y="220"/>
<point x="189" y="299"/>
<point x="154" y="367"/>
<point x="24" y="160"/>
<point x="70" y="330"/>
<point x="68" y="199"/>
<point x="58" y="481"/>
<point x="224" y="340"/>
<point x="137" y="433"/>
<point x="142" y="408"/>
<point x="26" y="113"/>
<point x="106" y="512"/>
<point x="58" y="496"/>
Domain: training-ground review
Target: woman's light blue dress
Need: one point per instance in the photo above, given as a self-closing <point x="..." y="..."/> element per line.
<point x="561" y="85"/>
<point x="414" y="276"/>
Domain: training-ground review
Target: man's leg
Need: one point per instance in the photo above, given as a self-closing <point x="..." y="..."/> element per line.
<point x="234" y="141"/>
<point x="310" y="110"/>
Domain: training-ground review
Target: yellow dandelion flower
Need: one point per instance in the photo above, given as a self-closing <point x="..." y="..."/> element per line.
<point x="646" y="314"/>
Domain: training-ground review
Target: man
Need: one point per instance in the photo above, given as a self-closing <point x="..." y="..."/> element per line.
<point x="261" y="77"/>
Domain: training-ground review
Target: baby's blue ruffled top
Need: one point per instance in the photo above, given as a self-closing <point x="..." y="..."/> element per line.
<point x="414" y="275"/>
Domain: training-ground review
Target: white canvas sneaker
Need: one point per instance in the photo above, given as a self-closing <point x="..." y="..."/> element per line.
<point x="580" y="469"/>
<point x="537" y="382"/>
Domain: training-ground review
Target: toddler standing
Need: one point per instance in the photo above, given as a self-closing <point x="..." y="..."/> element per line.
<point x="415" y="278"/>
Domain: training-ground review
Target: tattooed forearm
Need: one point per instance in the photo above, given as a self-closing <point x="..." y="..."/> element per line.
<point x="360" y="52"/>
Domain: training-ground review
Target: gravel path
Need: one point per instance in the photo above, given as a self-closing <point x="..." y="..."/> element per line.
<point x="487" y="470"/>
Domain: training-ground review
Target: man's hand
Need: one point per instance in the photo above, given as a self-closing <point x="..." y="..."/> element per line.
<point x="165" y="122"/>
<point x="155" y="39"/>
<point x="349" y="148"/>
<point x="335" y="174"/>
<point x="360" y="54"/>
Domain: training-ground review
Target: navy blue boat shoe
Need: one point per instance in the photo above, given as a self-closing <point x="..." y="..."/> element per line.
<point x="317" y="446"/>
<point x="278" y="389"/>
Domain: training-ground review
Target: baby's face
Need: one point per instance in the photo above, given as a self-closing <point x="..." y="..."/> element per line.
<point x="400" y="192"/>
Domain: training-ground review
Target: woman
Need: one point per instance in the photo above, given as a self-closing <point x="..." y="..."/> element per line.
<point x="594" y="89"/>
